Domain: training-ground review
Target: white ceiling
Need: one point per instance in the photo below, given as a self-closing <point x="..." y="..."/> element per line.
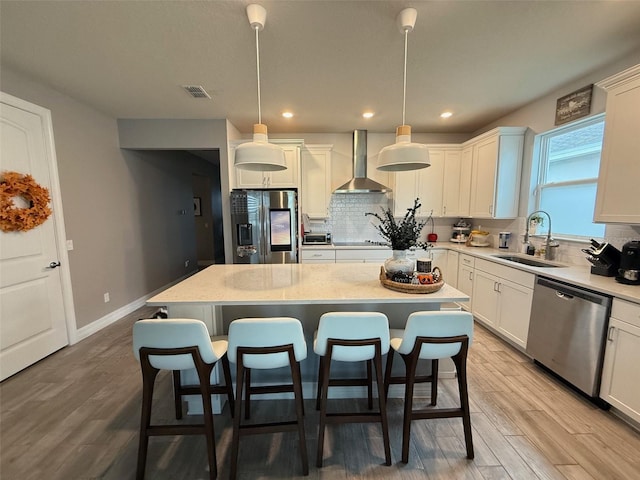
<point x="327" y="61"/>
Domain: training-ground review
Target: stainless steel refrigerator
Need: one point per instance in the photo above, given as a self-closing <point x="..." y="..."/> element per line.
<point x="264" y="226"/>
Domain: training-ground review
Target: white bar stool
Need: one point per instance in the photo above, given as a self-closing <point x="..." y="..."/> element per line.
<point x="267" y="343"/>
<point x="352" y="337"/>
<point x="432" y="335"/>
<point x="179" y="344"/>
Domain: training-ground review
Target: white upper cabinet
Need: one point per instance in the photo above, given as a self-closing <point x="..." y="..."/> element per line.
<point x="495" y="173"/>
<point x="405" y="191"/>
<point x="288" y="178"/>
<point x="617" y="195"/>
<point x="456" y="184"/>
<point x="315" y="182"/>
<point x="430" y="184"/>
<point x="480" y="178"/>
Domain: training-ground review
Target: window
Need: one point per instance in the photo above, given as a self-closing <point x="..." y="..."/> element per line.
<point x="569" y="164"/>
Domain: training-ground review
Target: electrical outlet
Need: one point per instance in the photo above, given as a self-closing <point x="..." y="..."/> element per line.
<point x="106" y="297"/>
<point x="186" y="263"/>
<point x="69" y="245"/>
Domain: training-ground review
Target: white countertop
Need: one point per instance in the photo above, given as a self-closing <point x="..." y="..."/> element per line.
<point x="575" y="275"/>
<point x="265" y="284"/>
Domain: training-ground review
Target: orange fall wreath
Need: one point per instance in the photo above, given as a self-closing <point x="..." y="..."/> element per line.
<point x="13" y="218"/>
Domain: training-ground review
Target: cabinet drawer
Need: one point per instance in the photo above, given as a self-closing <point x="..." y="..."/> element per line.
<point x="626" y="311"/>
<point x="325" y="254"/>
<point x="467" y="260"/>
<point x="515" y="275"/>
<point x="368" y="255"/>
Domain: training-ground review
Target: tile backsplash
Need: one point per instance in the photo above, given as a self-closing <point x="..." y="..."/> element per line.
<point x="347" y="220"/>
<point x="348" y="223"/>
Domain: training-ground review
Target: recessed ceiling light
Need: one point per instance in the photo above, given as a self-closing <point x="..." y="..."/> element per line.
<point x="368" y="114"/>
<point x="445" y="114"/>
<point x="287" y="114"/>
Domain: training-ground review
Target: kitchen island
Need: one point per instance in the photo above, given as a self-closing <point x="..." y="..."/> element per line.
<point x="287" y="288"/>
<point x="222" y="293"/>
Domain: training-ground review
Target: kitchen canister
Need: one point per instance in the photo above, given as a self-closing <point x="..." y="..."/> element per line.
<point x="423" y="265"/>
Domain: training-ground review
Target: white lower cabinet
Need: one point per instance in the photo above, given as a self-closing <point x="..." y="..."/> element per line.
<point x="451" y="275"/>
<point x="465" y="278"/>
<point x="485" y="305"/>
<point x="320" y="255"/>
<point x="365" y="255"/>
<point x="620" y="386"/>
<point x="439" y="259"/>
<point x="502" y="299"/>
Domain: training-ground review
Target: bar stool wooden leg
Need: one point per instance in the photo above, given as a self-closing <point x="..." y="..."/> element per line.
<point x="149" y="375"/>
<point x="297" y="392"/>
<point x="235" y="441"/>
<point x="434" y="382"/>
<point x="204" y="373"/>
<point x="382" y="405"/>
<point x="461" y="367"/>
<point x="411" y="362"/>
<point x="226" y="371"/>
<point x="387" y="372"/>
<point x="177" y="398"/>
<point x="320" y="380"/>
<point x="247" y="393"/>
<point x="326" y="366"/>
<point x="369" y="386"/>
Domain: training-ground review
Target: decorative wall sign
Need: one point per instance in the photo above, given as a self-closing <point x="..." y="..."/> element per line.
<point x="573" y="106"/>
<point x="197" y="211"/>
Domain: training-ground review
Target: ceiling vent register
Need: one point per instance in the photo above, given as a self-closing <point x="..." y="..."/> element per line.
<point x="196" y="91"/>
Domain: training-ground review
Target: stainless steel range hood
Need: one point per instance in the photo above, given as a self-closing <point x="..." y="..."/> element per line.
<point x="360" y="183"/>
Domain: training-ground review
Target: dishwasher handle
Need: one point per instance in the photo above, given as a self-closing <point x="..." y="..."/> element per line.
<point x="564" y="295"/>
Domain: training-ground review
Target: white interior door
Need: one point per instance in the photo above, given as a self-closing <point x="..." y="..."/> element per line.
<point x="33" y="323"/>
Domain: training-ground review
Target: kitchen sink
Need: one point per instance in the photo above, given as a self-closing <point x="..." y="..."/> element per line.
<point x="527" y="261"/>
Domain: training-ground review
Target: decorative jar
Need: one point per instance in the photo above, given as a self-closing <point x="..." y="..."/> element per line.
<point x="399" y="263"/>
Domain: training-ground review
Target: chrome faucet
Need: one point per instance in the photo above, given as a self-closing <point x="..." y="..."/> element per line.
<point x="547" y="252"/>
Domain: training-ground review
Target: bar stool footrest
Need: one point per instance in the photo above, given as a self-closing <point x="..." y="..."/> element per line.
<point x="357" y="417"/>
<point x="437" y="413"/>
<point x="274" y="427"/>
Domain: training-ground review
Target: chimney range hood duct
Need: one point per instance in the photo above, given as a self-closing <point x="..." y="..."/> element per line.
<point x="360" y="183"/>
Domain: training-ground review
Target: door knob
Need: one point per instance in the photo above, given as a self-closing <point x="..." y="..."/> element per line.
<point x="54" y="264"/>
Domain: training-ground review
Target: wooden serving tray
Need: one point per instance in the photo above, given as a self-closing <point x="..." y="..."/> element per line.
<point x="409" y="287"/>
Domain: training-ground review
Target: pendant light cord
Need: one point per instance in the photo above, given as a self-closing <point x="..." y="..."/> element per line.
<point x="404" y="91"/>
<point x="258" y="72"/>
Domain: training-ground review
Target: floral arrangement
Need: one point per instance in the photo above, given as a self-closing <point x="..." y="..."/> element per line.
<point x="13" y="218"/>
<point x="402" y="235"/>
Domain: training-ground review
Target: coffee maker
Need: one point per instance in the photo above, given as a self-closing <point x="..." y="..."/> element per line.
<point x="629" y="271"/>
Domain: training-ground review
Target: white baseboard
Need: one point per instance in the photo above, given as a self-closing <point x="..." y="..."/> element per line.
<point x="116" y="315"/>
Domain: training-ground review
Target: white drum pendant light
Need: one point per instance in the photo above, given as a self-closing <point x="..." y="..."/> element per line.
<point x="259" y="154"/>
<point x="404" y="155"/>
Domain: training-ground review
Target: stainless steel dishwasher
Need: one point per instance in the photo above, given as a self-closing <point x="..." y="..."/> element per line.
<point x="567" y="332"/>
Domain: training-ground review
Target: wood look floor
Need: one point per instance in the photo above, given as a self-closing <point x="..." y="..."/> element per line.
<point x="75" y="415"/>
